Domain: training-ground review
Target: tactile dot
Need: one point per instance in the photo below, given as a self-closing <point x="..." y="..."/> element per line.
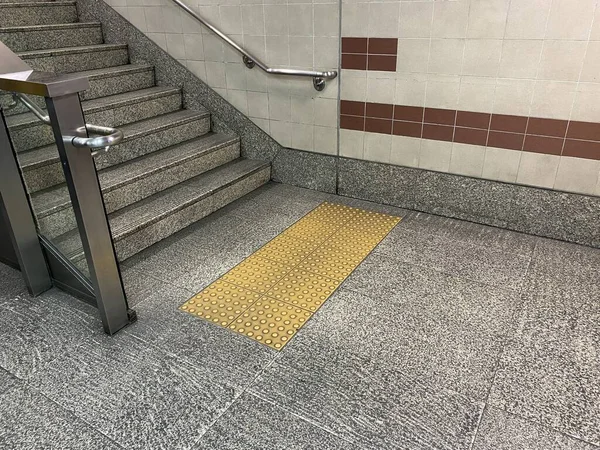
<point x="270" y="295"/>
<point x="284" y="321"/>
<point x="221" y="302"/>
<point x="257" y="274"/>
<point x="304" y="289"/>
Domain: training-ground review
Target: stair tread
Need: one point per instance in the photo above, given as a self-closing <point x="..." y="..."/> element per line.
<point x="56" y="198"/>
<point x="133" y="218"/>
<point x="71" y="50"/>
<point x="27" y="119"/>
<point x="54" y="26"/>
<point x="45" y="155"/>
<point x="106" y="72"/>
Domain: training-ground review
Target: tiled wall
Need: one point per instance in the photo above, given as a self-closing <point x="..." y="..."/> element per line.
<point x="288" y="34"/>
<point x="507" y="90"/>
<point x="475" y="85"/>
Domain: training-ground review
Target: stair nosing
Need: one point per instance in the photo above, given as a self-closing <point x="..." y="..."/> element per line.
<point x="71" y="50"/>
<point x="199" y="115"/>
<point x="37" y="4"/>
<point x="228" y="140"/>
<point x="50" y="27"/>
<point x="106" y="73"/>
<point x="160" y="92"/>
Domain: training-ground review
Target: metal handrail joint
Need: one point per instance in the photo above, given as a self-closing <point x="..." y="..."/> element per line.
<point x="319" y="77"/>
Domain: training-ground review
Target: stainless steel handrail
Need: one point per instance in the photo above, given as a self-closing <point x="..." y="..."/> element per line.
<point x="109" y="136"/>
<point x="319" y="77"/>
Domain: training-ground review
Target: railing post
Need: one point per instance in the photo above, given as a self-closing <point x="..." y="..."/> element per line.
<point x="88" y="204"/>
<point x="19" y="218"/>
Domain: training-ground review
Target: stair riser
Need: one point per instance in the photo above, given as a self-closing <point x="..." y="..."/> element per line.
<point x="99" y="87"/>
<point x="39" y="134"/>
<point x="23" y="41"/>
<point x="64" y="220"/>
<point x="51" y="175"/>
<point x="76" y="62"/>
<point x="164" y="228"/>
<point x="16" y="16"/>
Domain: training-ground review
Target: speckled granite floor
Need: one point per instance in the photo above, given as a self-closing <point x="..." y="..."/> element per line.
<point x="475" y="338"/>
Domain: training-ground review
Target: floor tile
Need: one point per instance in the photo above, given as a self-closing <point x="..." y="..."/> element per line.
<point x="469" y="232"/>
<point x="500" y="430"/>
<point x="369" y="402"/>
<point x="11" y="282"/>
<point x="214" y="349"/>
<point x="254" y="424"/>
<point x="549" y="373"/>
<point x="482" y="264"/>
<point x="28" y="420"/>
<point x="566" y="270"/>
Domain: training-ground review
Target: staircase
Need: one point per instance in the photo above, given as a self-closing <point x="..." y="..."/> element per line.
<point x="169" y="171"/>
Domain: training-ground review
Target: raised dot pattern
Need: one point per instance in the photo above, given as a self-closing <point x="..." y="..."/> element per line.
<point x="270" y="295"/>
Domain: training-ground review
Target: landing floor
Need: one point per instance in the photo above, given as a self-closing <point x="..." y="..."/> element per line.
<point x="450" y="335"/>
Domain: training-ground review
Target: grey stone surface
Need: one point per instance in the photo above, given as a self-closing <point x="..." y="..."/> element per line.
<point x="381" y="183"/>
<point x="256" y="144"/>
<point x="368" y="401"/>
<point x="11" y="282"/>
<point x="74" y="59"/>
<point x="549" y="372"/>
<point x="488" y="265"/>
<point x="22" y="39"/>
<point x="272" y="428"/>
<point x="119" y="79"/>
<point x="28" y="420"/>
<point x="558" y="215"/>
<point x="502" y="431"/>
<point x="20" y="14"/>
<point x="305" y="169"/>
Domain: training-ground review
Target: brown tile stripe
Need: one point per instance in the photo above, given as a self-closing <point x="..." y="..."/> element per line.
<point x="369" y="53"/>
<point x="530" y="134"/>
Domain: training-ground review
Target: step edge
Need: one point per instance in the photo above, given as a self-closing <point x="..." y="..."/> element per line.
<point x="98" y="48"/>
<point x="50" y="27"/>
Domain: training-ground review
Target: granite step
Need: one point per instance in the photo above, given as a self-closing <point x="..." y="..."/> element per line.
<point x="37" y="13"/>
<point x="155" y="218"/>
<point x="42" y="169"/>
<point x="134" y="180"/>
<point x="103" y="82"/>
<point x="27" y="132"/>
<point x="41" y="37"/>
<point x="75" y="59"/>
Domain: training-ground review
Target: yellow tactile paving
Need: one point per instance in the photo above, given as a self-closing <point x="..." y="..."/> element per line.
<point x="271" y="294"/>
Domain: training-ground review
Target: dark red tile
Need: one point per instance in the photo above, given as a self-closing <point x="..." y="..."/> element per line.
<point x="382" y="126"/>
<point x="354" y="45"/>
<point x="382" y="62"/>
<point x="511" y="141"/>
<point x="351" y="108"/>
<point x="355" y="62"/>
<point x="588" y="131"/>
<point x="439" y="116"/>
<point x="543" y="144"/>
<point x="513" y="124"/>
<point x="380" y="110"/>
<point x="473" y="119"/>
<point x="582" y="149"/>
<point x="472" y="136"/>
<point x="410" y="113"/>
<point x="352" y="123"/>
<point x="383" y="46"/>
<point x="547" y="127"/>
<point x="438" y="132"/>
<point x="412" y="129"/>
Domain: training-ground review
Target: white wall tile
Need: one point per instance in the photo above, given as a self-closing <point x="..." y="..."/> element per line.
<point x="577" y="175"/>
<point x="253" y="19"/>
<point x="482" y="57"/>
<point x="239" y="99"/>
<point x="476" y="94"/>
<point x="442" y="91"/>
<point x="280" y="107"/>
<point x="445" y="56"/>
<point x="378" y="147"/>
<point x="194" y="47"/>
<point x="513" y="96"/>
<point x="410" y="89"/>
<point x="416" y="19"/>
<point x="520" y="59"/>
<point x="435" y="155"/>
<point x="301" y="23"/>
<point x="258" y="105"/>
<point x="467" y="160"/>
<point x="351" y="144"/>
<point x="405" y="151"/>
<point x="380" y="90"/>
<point x="281" y="132"/>
<point x="326" y="112"/>
<point x="587" y="99"/>
<point x="353" y="19"/>
<point x="562" y="60"/>
<point x="175" y="45"/>
<point x="325" y="140"/>
<point x="536" y="169"/>
<point x="450" y="19"/>
<point x="302" y="110"/>
<point x="501" y="164"/>
<point x="591" y="64"/>
<point x="570" y="19"/>
<point x="527" y="19"/>
<point x="276" y="20"/>
<point x="487" y="19"/>
<point x="302" y="136"/>
<point x="354" y="85"/>
<point x="326" y="20"/>
<point x="383" y="19"/>
<point x="553" y="99"/>
<point x="413" y="55"/>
